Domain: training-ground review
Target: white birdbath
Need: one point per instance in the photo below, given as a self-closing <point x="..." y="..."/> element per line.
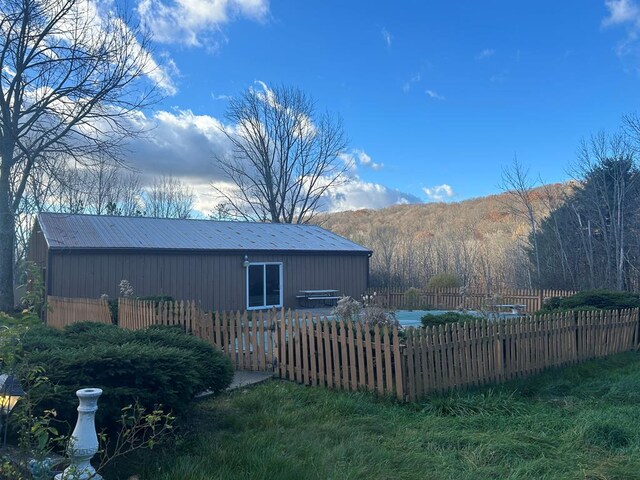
<point x="84" y="440"/>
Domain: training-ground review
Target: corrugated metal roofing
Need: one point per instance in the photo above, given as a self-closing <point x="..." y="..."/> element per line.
<point x="66" y="231"/>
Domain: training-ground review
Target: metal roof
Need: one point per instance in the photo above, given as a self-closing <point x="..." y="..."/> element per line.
<point x="67" y="231"/>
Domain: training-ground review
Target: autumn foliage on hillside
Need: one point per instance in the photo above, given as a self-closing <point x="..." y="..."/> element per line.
<point x="482" y="240"/>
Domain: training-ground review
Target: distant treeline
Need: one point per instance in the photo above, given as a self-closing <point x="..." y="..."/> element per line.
<point x="478" y="240"/>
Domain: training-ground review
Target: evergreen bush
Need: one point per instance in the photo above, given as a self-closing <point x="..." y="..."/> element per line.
<point x="593" y="299"/>
<point x="431" y="320"/>
<point x="156" y="366"/>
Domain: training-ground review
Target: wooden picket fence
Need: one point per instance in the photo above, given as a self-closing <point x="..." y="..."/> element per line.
<point x="312" y="350"/>
<point x="464" y="298"/>
<point x="136" y="314"/>
<point x="485" y="352"/>
<point x="409" y="364"/>
<point x="66" y="311"/>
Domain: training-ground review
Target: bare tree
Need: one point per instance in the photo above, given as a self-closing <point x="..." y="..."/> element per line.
<point x="386" y="240"/>
<point x="128" y="196"/>
<point x="114" y="190"/>
<point x="517" y="183"/>
<point x="284" y="157"/>
<point x="221" y="212"/>
<point x="168" y="197"/>
<point x="67" y="85"/>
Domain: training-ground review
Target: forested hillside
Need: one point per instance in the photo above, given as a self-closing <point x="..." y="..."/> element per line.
<point x="481" y="240"/>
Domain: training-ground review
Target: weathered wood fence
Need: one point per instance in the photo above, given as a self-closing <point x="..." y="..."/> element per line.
<point x="481" y="353"/>
<point x="66" y="311"/>
<point x="466" y="298"/>
<point x="407" y="363"/>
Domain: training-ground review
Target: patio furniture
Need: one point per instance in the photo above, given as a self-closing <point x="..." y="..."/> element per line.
<point x="308" y="298"/>
<point x="515" y="309"/>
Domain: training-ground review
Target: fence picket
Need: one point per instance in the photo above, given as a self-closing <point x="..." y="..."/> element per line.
<point x="351" y="344"/>
<point x="320" y="346"/>
<point x="362" y="378"/>
<point x="398" y="367"/>
<point x="411" y="382"/>
<point x="335" y="349"/>
<point x="424" y="363"/>
<point x="305" y="350"/>
<point x="328" y="357"/>
<point x="344" y="361"/>
<point x="312" y="351"/>
<point x="371" y="384"/>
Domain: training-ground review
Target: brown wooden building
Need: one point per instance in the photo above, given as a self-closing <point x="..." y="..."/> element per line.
<point x="222" y="265"/>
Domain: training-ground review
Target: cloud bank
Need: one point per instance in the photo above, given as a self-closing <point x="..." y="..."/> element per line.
<point x="197" y="23"/>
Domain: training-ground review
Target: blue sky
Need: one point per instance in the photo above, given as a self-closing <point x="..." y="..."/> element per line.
<point x="436" y="97"/>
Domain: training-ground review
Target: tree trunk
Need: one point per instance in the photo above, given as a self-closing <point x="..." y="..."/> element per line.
<point x="7" y="229"/>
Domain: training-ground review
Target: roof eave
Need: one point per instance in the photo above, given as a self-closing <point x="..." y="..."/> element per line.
<point x="243" y="251"/>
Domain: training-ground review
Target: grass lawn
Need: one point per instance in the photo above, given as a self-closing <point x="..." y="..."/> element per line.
<point x="582" y="423"/>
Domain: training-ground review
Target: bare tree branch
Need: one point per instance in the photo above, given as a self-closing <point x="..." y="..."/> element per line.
<point x="284" y="157"/>
<point x="68" y="77"/>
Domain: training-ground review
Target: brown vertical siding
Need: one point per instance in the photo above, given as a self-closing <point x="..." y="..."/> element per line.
<point x="217" y="281"/>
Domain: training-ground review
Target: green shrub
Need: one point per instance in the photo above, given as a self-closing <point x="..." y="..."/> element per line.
<point x="444" y="280"/>
<point x="593" y="299"/>
<point x="412" y="297"/>
<point x="430" y="319"/>
<point x="157" y="366"/>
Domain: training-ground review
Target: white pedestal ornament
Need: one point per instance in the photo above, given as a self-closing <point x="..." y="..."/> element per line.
<point x="84" y="439"/>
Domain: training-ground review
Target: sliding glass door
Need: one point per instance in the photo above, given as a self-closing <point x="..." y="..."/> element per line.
<point x="264" y="285"/>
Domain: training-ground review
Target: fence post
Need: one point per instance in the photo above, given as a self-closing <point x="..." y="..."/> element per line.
<point x="540" y="299"/>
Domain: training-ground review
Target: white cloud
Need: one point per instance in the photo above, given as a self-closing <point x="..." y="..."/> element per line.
<point x="486" y="53"/>
<point x="624" y="13"/>
<point x="358" y="157"/>
<point x="365" y="161"/>
<point x="439" y="193"/>
<point x="197" y="23"/>
<point x="164" y="75"/>
<point x="387" y="37"/>
<point x="500" y="77"/>
<point x="406" y="86"/>
<point x="621" y="12"/>
<point x="221" y="97"/>
<point x="434" y="95"/>
<point x="358" y="194"/>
